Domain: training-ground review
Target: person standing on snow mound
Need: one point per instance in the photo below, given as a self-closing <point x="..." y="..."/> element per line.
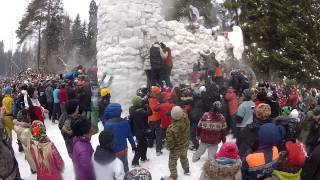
<point x="157" y="57"/>
<point x="145" y="54"/>
<point x="178" y="135"/>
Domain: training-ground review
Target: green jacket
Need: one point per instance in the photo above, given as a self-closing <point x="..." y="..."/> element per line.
<point x="280" y="175"/>
<point x="178" y="135"/>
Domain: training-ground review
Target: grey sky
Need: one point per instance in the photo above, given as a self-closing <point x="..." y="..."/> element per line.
<point x="11" y="11"/>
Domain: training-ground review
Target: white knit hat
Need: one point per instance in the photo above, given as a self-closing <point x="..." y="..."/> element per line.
<point x="295" y="115"/>
<point x="177" y="113"/>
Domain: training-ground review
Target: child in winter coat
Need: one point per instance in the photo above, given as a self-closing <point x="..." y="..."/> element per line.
<point x="47" y="158"/>
<point x="178" y="135"/>
<point x="105" y="163"/>
<point x="139" y="121"/>
<point x="212" y="129"/>
<point x="121" y="130"/>
<point x="82" y="149"/>
<point x="259" y="163"/>
<point x="226" y="164"/>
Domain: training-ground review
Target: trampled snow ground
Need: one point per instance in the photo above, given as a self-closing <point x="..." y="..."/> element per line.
<point x="158" y="166"/>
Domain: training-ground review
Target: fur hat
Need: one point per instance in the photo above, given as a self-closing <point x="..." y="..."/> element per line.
<point x="71" y="106"/>
<point x="263" y="111"/>
<point x="138" y="174"/>
<point x="106" y="139"/>
<point x="177" y="113"/>
<point x="228" y="150"/>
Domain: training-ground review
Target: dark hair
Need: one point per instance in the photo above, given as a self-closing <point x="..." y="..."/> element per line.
<point x="80" y="126"/>
<point x="106" y="139"/>
<point x="30" y="91"/>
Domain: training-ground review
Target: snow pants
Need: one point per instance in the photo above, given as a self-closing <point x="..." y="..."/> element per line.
<point x="173" y="158"/>
<point x="212" y="149"/>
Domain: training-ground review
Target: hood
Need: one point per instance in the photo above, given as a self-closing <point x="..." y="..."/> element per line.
<point x="113" y="110"/>
<point x="213" y="170"/>
<point x="269" y="134"/>
<point x="286" y="176"/>
<point x="104" y="156"/>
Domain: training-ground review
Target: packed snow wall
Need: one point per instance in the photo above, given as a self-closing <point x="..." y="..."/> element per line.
<point x="120" y="36"/>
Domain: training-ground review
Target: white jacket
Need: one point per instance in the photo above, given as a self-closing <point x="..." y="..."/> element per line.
<point x="112" y="171"/>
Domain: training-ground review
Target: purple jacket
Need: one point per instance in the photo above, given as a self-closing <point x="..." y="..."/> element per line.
<point x="82" y="152"/>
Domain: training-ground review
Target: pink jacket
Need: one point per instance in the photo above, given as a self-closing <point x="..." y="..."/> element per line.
<point x="55" y="165"/>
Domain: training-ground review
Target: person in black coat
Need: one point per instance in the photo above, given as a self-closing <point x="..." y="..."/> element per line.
<point x="139" y="123"/>
<point x="311" y="169"/>
<point x="195" y="114"/>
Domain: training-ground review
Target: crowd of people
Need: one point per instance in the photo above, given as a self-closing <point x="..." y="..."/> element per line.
<point x="267" y="131"/>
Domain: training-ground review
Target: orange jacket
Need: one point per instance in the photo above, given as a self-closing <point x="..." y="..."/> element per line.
<point x="153" y="103"/>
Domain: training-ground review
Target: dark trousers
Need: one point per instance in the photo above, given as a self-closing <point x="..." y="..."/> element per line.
<point x="149" y="82"/>
<point x="141" y="152"/>
<point x="193" y="135"/>
<point x="167" y="78"/>
<point x="157" y="76"/>
<point x="157" y="134"/>
<point x="50" y="109"/>
<point x="56" y="111"/>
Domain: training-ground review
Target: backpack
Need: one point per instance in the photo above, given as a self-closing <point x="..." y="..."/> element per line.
<point x="296" y="153"/>
<point x="155" y="57"/>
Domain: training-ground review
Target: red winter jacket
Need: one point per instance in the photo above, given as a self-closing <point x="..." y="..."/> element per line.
<point x="63" y="96"/>
<point x="164" y="110"/>
<point x="212" y="128"/>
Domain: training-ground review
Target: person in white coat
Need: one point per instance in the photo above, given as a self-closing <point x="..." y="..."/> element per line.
<point x="105" y="163"/>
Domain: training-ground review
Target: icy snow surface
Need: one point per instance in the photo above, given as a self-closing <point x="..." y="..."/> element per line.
<point x="158" y="166"/>
<point x="120" y="25"/>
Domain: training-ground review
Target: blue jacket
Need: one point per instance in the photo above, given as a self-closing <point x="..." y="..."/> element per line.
<point x="259" y="164"/>
<point x="118" y="126"/>
<point x="56" y="95"/>
<point x="113" y="110"/>
<point x="72" y="75"/>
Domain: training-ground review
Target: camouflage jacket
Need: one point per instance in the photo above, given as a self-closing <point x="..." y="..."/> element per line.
<point x="178" y="135"/>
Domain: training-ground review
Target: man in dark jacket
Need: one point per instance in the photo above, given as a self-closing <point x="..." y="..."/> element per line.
<point x="157" y="66"/>
<point x="195" y="114"/>
<point x="139" y="118"/>
<point x="311" y="169"/>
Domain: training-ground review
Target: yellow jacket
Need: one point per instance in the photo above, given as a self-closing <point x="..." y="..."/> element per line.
<point x="7" y="103"/>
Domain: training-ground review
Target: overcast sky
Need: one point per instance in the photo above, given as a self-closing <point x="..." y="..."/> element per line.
<point x="11" y="12"/>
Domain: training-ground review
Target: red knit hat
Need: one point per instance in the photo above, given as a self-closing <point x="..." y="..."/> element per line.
<point x="228" y="150"/>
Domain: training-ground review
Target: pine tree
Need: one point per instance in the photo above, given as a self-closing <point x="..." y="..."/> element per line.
<point x="83" y="40"/>
<point x="92" y="32"/>
<point x="282" y="37"/>
<point x="76" y="32"/>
